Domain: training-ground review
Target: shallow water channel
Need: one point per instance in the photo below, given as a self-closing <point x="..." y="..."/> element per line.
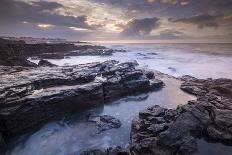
<point x="73" y="133"/>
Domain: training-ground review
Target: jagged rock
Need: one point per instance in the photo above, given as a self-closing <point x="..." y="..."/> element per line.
<point x="31" y="96"/>
<point x="105" y="122"/>
<point x="165" y="131"/>
<point x="46" y="63"/>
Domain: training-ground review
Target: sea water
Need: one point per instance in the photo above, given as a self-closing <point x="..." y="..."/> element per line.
<point x="73" y="134"/>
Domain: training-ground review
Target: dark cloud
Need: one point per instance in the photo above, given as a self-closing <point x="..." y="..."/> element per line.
<point x="200" y="13"/>
<point x="170" y="34"/>
<point x="140" y="27"/>
<point x="201" y="21"/>
<point x="38" y="12"/>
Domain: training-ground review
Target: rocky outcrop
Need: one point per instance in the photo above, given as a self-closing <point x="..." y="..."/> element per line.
<point x="30" y="96"/>
<point x="165" y="131"/>
<point x="15" y="53"/>
<point x="16" y="61"/>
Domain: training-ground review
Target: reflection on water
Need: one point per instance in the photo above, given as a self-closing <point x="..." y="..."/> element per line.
<point x="73" y="134"/>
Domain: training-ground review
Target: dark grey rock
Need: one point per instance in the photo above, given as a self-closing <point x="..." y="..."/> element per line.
<point x="165" y="131"/>
<point x="46" y="63"/>
<point x="105" y="122"/>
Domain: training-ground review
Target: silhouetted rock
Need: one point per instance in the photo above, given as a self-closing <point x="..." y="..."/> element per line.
<point x="165" y="131"/>
<point x="17" y="61"/>
<point x="13" y="53"/>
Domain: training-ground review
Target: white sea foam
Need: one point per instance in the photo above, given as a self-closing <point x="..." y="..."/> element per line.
<point x="199" y="60"/>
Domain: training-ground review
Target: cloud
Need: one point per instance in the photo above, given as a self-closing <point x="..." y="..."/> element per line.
<point x="173" y="2"/>
<point x="139" y="27"/>
<point x="201" y="21"/>
<point x="41" y="12"/>
<point x="184" y="2"/>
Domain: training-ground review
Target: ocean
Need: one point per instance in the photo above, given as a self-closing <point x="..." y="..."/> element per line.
<point x="73" y="134"/>
<point x="198" y="60"/>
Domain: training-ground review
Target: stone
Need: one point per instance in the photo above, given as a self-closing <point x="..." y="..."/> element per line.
<point x="46" y="63"/>
<point x="105" y="122"/>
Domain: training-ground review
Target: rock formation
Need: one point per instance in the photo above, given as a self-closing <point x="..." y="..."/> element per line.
<point x="30" y="96"/>
<point x="15" y="53"/>
<point x="165" y="131"/>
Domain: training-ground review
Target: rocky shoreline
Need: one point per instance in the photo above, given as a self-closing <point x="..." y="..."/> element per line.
<point x="32" y="94"/>
<point x="175" y="131"/>
<point x="15" y="53"/>
<point x="40" y="97"/>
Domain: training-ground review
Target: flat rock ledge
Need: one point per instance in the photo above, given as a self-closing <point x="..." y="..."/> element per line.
<point x="31" y="96"/>
<point x="166" y="131"/>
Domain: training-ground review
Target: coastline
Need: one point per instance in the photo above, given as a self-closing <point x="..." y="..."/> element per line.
<point x="68" y="81"/>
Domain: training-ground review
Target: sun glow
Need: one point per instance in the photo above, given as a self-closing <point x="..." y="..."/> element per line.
<point x="45" y="25"/>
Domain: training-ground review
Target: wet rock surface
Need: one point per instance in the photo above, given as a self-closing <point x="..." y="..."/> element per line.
<point x="105" y="122"/>
<point x="165" y="131"/>
<point x="31" y="96"/>
<point x="46" y="63"/>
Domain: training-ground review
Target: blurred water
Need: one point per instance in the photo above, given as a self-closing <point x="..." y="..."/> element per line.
<point x="73" y="133"/>
<point x="199" y="60"/>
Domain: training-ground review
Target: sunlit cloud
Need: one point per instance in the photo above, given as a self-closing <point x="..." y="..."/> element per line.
<point x="45" y="26"/>
<point x="24" y="22"/>
<point x="111" y="18"/>
<point x="150" y="1"/>
<point x="80" y="29"/>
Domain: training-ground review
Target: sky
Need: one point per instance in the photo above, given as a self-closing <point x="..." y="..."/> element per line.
<point x="119" y="20"/>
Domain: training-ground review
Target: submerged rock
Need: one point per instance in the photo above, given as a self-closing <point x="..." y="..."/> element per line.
<point x="165" y="131"/>
<point x="31" y="96"/>
<point x="46" y="63"/>
<point x="105" y="122"/>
